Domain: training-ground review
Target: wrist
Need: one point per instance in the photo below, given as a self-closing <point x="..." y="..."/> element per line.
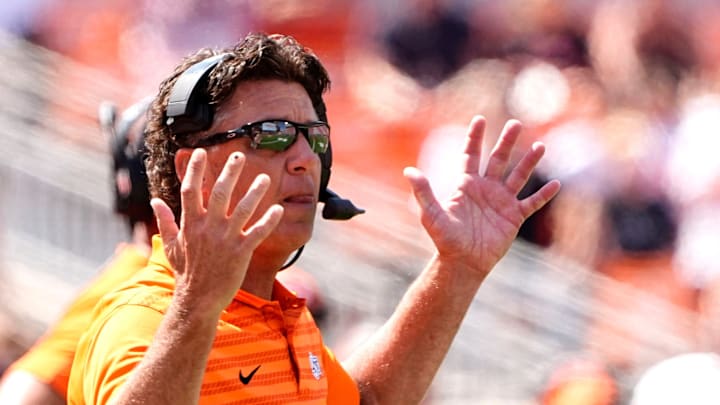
<point x="460" y="271"/>
<point x="196" y="308"/>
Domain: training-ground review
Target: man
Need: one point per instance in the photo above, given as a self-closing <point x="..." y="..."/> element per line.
<point x="40" y="376"/>
<point x="236" y="178"/>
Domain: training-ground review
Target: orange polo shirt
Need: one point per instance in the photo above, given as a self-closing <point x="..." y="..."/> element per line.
<point x="268" y="352"/>
<point x="50" y="359"/>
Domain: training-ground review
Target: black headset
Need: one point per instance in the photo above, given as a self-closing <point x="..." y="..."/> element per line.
<point x="127" y="138"/>
<point x="189" y="110"/>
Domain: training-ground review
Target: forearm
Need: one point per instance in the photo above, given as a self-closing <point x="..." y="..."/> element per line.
<point x="397" y="365"/>
<point x="172" y="369"/>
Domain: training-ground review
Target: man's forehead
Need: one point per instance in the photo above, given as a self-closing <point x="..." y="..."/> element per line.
<point x="264" y="99"/>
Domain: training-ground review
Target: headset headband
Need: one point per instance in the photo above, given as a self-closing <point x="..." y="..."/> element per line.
<point x="188" y="108"/>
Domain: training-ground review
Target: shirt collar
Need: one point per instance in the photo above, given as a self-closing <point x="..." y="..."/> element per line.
<point x="281" y="295"/>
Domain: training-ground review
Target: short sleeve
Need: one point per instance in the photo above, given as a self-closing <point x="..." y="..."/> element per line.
<point x="342" y="389"/>
<point x="110" y="351"/>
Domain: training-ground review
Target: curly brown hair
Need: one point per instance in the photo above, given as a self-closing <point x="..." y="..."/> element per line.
<point x="257" y="57"/>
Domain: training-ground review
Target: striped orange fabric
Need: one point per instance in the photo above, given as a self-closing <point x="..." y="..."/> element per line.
<point x="50" y="359"/>
<point x="265" y="352"/>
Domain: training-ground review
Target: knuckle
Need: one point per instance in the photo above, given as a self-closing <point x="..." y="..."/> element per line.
<point x="220" y="194"/>
<point x="187" y="190"/>
<point x="243" y="209"/>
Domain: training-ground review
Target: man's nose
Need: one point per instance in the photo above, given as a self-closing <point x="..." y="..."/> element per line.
<point x="301" y="156"/>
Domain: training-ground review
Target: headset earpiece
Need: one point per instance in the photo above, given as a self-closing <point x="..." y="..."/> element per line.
<point x="325" y="165"/>
<point x="334" y="207"/>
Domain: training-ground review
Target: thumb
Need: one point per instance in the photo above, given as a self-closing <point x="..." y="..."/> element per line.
<point x="421" y="189"/>
<point x="165" y="220"/>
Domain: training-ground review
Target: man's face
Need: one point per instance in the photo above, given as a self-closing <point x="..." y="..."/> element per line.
<point x="294" y="173"/>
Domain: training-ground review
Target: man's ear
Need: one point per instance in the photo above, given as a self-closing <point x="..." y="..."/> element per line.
<point x="182" y="159"/>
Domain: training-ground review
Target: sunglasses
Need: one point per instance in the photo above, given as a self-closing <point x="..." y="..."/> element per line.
<point x="275" y="135"/>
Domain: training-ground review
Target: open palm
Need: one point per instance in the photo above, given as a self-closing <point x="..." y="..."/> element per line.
<point x="476" y="226"/>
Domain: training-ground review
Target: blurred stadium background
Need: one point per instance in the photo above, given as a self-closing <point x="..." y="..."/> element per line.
<point x="621" y="92"/>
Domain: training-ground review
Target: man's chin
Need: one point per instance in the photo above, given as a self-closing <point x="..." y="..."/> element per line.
<point x="291" y="236"/>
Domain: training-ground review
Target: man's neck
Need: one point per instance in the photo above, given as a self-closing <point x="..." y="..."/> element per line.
<point x="259" y="285"/>
<point x="261" y="273"/>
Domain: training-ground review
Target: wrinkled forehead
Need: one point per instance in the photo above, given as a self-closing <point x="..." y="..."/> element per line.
<point x="264" y="99"/>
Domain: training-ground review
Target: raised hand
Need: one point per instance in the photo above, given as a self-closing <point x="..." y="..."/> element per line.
<point x="211" y="249"/>
<point x="475" y="227"/>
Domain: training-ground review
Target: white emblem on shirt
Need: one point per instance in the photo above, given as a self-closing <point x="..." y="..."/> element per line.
<point x="315" y="366"/>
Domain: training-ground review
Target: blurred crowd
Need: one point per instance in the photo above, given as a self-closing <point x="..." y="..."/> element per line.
<point x="625" y="95"/>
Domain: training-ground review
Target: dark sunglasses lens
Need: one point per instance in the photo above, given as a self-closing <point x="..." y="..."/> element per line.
<point x="274" y="135"/>
<point x="319" y="142"/>
<point x="319" y="138"/>
<point x="274" y="141"/>
<point x="279" y="136"/>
